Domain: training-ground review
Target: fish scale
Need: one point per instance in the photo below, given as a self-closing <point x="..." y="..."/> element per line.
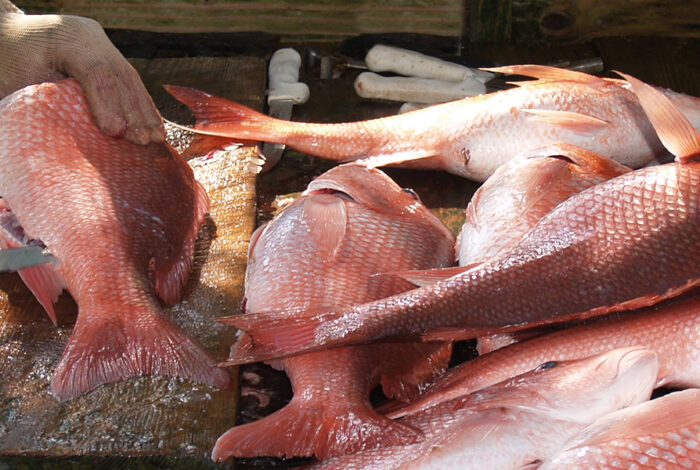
<point x="471" y="137"/>
<point x="321" y="251"/>
<point x="121" y="219"/>
<point x="588" y="255"/>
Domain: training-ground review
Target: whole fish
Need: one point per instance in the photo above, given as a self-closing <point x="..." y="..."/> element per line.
<point x="661" y="433"/>
<point x="625" y="243"/>
<point x="469" y="137"/>
<point x="121" y="219"/>
<point x="671" y="330"/>
<point x="520" y="420"/>
<point x="324" y="250"/>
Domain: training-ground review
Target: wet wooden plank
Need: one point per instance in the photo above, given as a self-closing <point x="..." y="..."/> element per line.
<point x="146" y="416"/>
<point x="329" y="19"/>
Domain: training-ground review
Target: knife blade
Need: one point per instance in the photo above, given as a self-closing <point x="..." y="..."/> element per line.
<point x="14" y="259"/>
<point x="285" y="90"/>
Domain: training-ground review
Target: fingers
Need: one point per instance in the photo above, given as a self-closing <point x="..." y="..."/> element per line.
<point x="117" y="97"/>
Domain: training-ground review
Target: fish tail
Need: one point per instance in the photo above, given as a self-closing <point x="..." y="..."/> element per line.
<point x="270" y="336"/>
<point x="221" y="117"/>
<point x="304" y="429"/>
<point x="108" y="348"/>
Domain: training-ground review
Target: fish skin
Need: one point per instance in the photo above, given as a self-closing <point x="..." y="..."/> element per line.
<point x="671" y="330"/>
<point x="661" y="433"/>
<point x="464" y="137"/>
<point x="122" y="220"/>
<point x="522" y="191"/>
<point x="626" y="243"/>
<point x="519" y="420"/>
<point x="324" y="250"/>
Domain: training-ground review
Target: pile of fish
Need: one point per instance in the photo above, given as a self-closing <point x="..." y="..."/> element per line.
<point x="576" y="274"/>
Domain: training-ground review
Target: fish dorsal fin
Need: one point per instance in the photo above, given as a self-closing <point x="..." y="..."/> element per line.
<point x="546" y="72"/>
<point x="326" y="219"/>
<point x="574" y="121"/>
<point x="675" y="130"/>
<point x="668" y="413"/>
<point x="424" y="277"/>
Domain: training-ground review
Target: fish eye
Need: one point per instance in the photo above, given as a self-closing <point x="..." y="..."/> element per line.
<point x="411" y="192"/>
<point x="547" y="365"/>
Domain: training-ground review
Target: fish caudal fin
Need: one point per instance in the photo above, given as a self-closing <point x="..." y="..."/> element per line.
<point x="171" y="278"/>
<point x="674" y="129"/>
<point x="311" y="427"/>
<point x="218" y="116"/>
<point x="108" y="348"/>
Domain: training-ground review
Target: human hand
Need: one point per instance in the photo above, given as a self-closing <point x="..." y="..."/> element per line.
<point x="39" y="48"/>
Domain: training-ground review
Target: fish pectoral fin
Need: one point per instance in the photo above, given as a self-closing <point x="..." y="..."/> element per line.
<point x="326" y="218"/>
<point x="425" y="277"/>
<point x="394" y="158"/>
<point x="545" y="72"/>
<point x="42" y="280"/>
<point x="576" y="122"/>
<point x="675" y="130"/>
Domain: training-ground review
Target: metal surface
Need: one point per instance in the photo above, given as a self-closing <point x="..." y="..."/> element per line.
<point x="14" y="259"/>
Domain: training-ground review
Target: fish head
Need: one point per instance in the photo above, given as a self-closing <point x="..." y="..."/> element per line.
<point x="370" y="187"/>
<point x="580" y="390"/>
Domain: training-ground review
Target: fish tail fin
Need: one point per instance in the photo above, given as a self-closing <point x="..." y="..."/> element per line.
<point x="224" y="118"/>
<point x="105" y="348"/>
<point x="673" y="128"/>
<point x="269" y="335"/>
<point x="312" y="427"/>
<point x="171" y="278"/>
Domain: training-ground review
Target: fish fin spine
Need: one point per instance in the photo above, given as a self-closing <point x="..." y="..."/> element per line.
<point x="570" y="120"/>
<point x="138" y="341"/>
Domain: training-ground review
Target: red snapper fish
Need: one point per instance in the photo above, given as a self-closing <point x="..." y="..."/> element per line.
<point x="121" y="220"/>
<point x="324" y="250"/>
<point x="469" y="137"/>
<point x="626" y="243"/>
<point x="519" y="420"/>
<point x="671" y="330"/>
<point x="661" y="433"/>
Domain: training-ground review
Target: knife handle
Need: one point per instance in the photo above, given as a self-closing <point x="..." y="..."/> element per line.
<point x="418" y="90"/>
<point x="284" y="77"/>
<point x="383" y="58"/>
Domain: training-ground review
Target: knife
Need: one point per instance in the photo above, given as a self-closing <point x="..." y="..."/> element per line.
<point x="14" y="259"/>
<point x="285" y="90"/>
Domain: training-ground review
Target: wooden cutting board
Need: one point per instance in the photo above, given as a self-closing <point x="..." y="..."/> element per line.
<point x="145" y="416"/>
